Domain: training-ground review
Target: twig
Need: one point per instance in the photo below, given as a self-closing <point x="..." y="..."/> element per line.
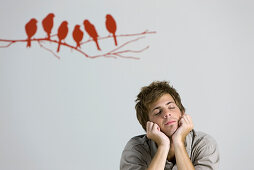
<point x="58" y="57"/>
<point x="134" y="51"/>
<point x="111" y="54"/>
<point x="121" y="35"/>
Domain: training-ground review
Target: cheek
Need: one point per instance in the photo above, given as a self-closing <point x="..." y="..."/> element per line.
<point x="178" y="114"/>
<point x="155" y="120"/>
<point x="152" y="119"/>
<point x="149" y="118"/>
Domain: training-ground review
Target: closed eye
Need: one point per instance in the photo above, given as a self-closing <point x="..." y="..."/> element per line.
<point x="171" y="107"/>
<point x="158" y="113"/>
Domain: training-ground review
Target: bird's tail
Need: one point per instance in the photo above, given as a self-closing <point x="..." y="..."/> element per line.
<point x="28" y="42"/>
<point x="114" y="35"/>
<point x="97" y="44"/>
<point x="78" y="45"/>
<point x="48" y="36"/>
<point x="58" y="48"/>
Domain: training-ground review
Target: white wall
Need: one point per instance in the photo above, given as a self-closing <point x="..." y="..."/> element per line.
<point x="78" y="113"/>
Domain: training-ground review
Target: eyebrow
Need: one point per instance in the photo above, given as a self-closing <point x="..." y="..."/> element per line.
<point x="160" y="107"/>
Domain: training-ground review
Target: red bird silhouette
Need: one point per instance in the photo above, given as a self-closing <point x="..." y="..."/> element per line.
<point x="47" y="24"/>
<point x="31" y="29"/>
<point x="90" y="29"/>
<point x="62" y="33"/>
<point x="77" y="35"/>
<point x="111" y="26"/>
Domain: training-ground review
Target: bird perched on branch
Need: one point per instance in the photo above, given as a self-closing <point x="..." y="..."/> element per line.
<point x="90" y="29"/>
<point x="62" y="33"/>
<point x="77" y="35"/>
<point x="111" y="26"/>
<point x="31" y="29"/>
<point x="47" y="24"/>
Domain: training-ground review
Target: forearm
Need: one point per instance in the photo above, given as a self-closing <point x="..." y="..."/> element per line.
<point x="159" y="160"/>
<point x="182" y="159"/>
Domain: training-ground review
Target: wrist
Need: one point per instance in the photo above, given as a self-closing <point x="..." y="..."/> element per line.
<point x="164" y="143"/>
<point x="178" y="142"/>
<point x="164" y="147"/>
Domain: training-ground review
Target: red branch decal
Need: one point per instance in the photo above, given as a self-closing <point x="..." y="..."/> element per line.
<point x="77" y="34"/>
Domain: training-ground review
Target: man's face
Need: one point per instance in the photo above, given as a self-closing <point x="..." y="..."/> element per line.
<point x="166" y="114"/>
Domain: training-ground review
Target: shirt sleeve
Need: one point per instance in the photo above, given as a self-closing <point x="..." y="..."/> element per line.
<point x="135" y="158"/>
<point x="206" y="155"/>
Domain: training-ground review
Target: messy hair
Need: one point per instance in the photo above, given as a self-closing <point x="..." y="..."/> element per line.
<point x="150" y="94"/>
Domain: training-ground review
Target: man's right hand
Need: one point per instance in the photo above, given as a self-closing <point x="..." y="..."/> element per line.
<point x="154" y="133"/>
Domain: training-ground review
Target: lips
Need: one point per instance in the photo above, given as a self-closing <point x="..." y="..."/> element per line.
<point x="170" y="122"/>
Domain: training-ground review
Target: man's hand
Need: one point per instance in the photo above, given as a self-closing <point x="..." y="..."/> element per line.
<point x="159" y="160"/>
<point x="185" y="126"/>
<point x="154" y="133"/>
<point x="182" y="158"/>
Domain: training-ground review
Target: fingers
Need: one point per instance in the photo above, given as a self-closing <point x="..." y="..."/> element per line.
<point x="149" y="129"/>
<point x="155" y="127"/>
<point x="153" y="132"/>
<point x="186" y="121"/>
<point x="152" y="129"/>
<point x="150" y="126"/>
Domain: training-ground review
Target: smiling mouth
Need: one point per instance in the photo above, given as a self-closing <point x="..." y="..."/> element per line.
<point x="170" y="122"/>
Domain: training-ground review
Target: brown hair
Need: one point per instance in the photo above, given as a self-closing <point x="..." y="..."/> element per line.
<point x="150" y="94"/>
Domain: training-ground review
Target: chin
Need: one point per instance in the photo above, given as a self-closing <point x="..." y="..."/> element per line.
<point x="170" y="132"/>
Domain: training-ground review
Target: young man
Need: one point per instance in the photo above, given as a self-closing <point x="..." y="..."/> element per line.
<point x="170" y="142"/>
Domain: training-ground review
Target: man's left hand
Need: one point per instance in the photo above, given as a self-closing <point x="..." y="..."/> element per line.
<point x="185" y="126"/>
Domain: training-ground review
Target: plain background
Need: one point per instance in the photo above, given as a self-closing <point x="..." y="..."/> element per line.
<point x="78" y="113"/>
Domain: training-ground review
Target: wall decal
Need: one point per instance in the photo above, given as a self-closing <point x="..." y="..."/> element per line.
<point x="90" y="29"/>
<point x="31" y="29"/>
<point x="111" y="26"/>
<point x="119" y="50"/>
<point x="77" y="35"/>
<point x="47" y="24"/>
<point x="62" y="33"/>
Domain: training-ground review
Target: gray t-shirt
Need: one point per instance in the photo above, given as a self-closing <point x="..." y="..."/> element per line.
<point x="201" y="148"/>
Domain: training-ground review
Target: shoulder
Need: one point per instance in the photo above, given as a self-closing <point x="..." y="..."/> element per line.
<point x="204" y="150"/>
<point x="137" y="142"/>
<point x="136" y="153"/>
<point x="201" y="140"/>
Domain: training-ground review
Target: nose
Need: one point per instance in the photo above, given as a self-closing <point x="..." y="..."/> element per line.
<point x="166" y="114"/>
